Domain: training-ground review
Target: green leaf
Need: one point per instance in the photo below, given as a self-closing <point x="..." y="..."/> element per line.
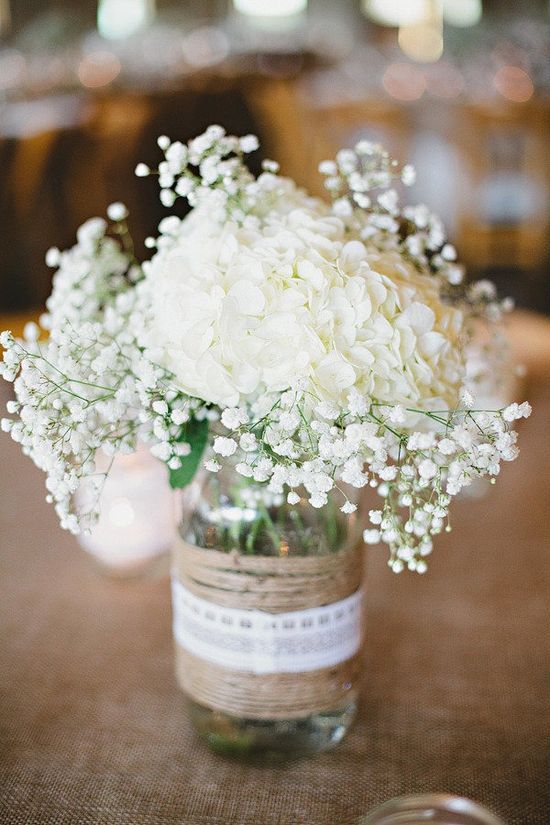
<point x="194" y="433"/>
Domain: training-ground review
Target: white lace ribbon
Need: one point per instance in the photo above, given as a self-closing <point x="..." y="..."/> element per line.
<point x="259" y="642"/>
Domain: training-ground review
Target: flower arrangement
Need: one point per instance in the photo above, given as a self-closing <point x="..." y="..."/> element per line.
<point x="316" y="345"/>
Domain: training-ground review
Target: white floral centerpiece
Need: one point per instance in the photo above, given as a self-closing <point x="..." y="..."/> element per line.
<point x="319" y="346"/>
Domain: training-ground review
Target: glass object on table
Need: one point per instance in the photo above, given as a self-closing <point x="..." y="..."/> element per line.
<point x="240" y="706"/>
<point x="430" y="809"/>
<point x="137" y="523"/>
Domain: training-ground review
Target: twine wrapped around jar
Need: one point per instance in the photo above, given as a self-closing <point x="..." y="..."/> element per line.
<point x="311" y="605"/>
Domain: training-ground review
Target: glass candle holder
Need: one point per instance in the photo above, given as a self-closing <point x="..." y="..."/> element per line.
<point x="435" y="809"/>
<point x="137" y="524"/>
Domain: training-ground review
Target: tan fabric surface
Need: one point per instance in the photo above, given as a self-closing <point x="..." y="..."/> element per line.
<point x="456" y="685"/>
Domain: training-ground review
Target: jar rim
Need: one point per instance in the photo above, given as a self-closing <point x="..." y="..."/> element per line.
<point x="424" y="807"/>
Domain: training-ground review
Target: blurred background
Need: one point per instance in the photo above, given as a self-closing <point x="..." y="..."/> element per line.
<point x="458" y="87"/>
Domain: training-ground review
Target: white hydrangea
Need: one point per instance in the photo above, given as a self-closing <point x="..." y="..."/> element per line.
<point x="237" y="310"/>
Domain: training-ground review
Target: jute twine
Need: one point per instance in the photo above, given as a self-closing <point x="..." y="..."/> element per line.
<point x="274" y="585"/>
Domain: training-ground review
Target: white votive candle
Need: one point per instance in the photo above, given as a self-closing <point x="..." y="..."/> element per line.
<point x="137" y="519"/>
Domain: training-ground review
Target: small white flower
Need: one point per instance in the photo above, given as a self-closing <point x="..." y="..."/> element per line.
<point x="420" y="441"/>
<point x="375" y="516"/>
<point x="162" y="450"/>
<point x="167" y="197"/>
<point x="318" y="500"/>
<point x="263" y="469"/>
<point x="328" y="167"/>
<point x="455" y="275"/>
<point x="397" y="414"/>
<point x="447" y="446"/>
<point x="348" y="507"/>
<point x="212" y="465"/>
<point x="371" y="536"/>
<point x="224" y="446"/>
<point x="289" y="421"/>
<point x="249" y="143"/>
<point x="142" y="170"/>
<point x="179" y="417"/>
<point x="357" y="403"/>
<point x="388" y="200"/>
<point x="234" y="417"/>
<point x="448" y="252"/>
<point x="117" y="211"/>
<point x="184" y="187"/>
<point x="388" y="473"/>
<point x="514" y="411"/>
<point x="347" y="160"/>
<point x="248" y="442"/>
<point x="53" y="257"/>
<point x="408" y="175"/>
<point x="427" y="469"/>
<point x="293" y="498"/>
<point x="159" y="406"/>
<point x="31" y="332"/>
<point x="176" y="156"/>
<point x="182" y="448"/>
<point x="342" y="207"/>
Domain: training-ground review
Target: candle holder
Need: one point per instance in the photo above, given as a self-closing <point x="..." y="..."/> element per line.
<point x="136" y="526"/>
<point x="435" y="809"/>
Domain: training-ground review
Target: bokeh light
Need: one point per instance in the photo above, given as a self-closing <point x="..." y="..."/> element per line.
<point x="98" y="69"/>
<point x="462" y="13"/>
<point x="395" y="12"/>
<point x="514" y="84"/>
<point x="444" y="81"/>
<point x="422" y="42"/>
<point x="404" y="82"/>
<point x="205" y="46"/>
<point x="117" y="19"/>
<point x="270" y="8"/>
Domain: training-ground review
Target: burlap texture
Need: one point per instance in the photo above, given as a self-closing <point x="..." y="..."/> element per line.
<point x="455" y="686"/>
<point x="267" y="583"/>
<point x="274" y="585"/>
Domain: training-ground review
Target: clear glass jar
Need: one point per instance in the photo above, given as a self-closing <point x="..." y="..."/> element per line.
<point x="226" y="512"/>
<point x="137" y="522"/>
<point x="434" y="809"/>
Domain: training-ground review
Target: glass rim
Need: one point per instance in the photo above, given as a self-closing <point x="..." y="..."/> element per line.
<point x="440" y="802"/>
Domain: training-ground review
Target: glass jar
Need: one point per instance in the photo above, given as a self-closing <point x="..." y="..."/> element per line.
<point x="435" y="809"/>
<point x="267" y="618"/>
<point x="137" y="521"/>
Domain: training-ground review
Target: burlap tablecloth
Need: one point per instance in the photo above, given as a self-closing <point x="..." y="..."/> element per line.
<point x="455" y="692"/>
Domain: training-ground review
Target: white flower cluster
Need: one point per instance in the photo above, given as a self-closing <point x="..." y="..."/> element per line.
<point x="327" y="345"/>
<point x="75" y="394"/>
<point x="211" y="162"/>
<point x="360" y="181"/>
<point x="293" y="442"/>
<point x="88" y="387"/>
<point x="236" y="310"/>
